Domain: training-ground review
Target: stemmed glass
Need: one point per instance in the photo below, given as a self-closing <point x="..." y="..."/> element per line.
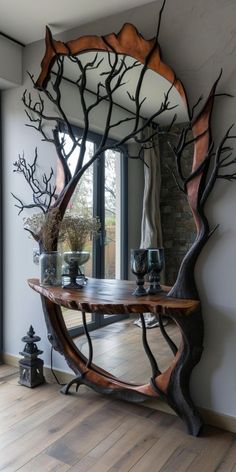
<point x="155" y="266"/>
<point x="139" y="267"/>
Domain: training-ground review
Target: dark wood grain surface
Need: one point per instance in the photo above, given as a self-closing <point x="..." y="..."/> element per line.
<point x="128" y="41"/>
<point x="112" y="296"/>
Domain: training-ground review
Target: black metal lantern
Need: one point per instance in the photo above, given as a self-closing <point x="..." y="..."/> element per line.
<point x="31" y="367"/>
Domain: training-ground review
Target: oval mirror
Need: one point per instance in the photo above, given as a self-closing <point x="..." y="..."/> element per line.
<point x="130" y="188"/>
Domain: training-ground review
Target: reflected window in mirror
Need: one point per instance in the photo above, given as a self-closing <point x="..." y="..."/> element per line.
<point x="102" y="193"/>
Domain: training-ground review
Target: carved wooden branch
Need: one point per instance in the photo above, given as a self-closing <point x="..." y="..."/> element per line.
<point x="123" y="43"/>
<point x="147" y="52"/>
<point x="198" y="186"/>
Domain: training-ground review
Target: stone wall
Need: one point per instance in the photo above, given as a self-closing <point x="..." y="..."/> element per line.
<point x="178" y="227"/>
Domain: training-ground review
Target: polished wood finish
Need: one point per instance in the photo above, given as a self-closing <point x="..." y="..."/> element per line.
<point x="206" y="166"/>
<point x="114" y="296"/>
<point x="128" y="42"/>
<point x="86" y="432"/>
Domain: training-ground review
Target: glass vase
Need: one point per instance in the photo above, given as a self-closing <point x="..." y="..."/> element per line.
<point x="50" y="267"/>
<point x="72" y="273"/>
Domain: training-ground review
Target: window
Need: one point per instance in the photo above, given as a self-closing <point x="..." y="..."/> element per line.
<point x="102" y="192"/>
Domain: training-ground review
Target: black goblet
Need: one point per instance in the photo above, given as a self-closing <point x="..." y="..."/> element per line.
<point x="139" y="267"/>
<point x="155" y="266"/>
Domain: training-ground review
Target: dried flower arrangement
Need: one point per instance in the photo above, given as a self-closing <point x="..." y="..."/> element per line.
<point x="41" y="227"/>
<point x="47" y="226"/>
<point x="75" y="230"/>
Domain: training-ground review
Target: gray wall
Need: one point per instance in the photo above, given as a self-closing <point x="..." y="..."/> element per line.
<point x="197" y="38"/>
<point x="10" y="63"/>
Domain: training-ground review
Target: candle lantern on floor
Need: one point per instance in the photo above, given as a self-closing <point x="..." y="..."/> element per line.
<point x="31" y="367"/>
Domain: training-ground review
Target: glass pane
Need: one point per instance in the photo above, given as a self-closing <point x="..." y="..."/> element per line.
<point x="81" y="204"/>
<point x="112" y="214"/>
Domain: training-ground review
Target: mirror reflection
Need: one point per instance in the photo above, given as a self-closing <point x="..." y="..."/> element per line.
<point x="131" y="188"/>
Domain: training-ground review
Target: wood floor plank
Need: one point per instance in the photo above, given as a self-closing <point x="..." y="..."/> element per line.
<point x="18" y="452"/>
<point x="44" y="431"/>
<point x="228" y="461"/>
<point x="7" y="371"/>
<point x="11" y="393"/>
<point x="180" y="460"/>
<point x="27" y="425"/>
<point x="26" y="406"/>
<point x="215" y="446"/>
<point x="157" y="456"/>
<point x="127" y="450"/>
<point x="44" y="463"/>
<point x="86" y="435"/>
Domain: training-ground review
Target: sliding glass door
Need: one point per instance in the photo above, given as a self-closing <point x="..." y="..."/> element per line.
<point x="102" y="193"/>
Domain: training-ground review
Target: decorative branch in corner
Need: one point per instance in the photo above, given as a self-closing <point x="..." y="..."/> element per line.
<point x="207" y="166"/>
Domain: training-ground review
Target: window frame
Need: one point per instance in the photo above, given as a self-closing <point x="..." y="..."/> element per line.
<point x="98" y="208"/>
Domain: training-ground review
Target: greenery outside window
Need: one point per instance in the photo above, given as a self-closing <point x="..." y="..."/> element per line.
<point x="102" y="193"/>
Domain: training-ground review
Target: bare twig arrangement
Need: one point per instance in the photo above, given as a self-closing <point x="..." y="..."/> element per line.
<point x="43" y="190"/>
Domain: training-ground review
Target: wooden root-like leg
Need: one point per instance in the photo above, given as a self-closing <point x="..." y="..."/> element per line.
<point x="77" y="380"/>
<point x="173" y="385"/>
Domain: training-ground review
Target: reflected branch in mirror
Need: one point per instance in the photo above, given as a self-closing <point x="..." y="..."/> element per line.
<point x="113" y="75"/>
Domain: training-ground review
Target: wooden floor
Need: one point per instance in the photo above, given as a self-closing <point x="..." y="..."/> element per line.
<point x="118" y="348"/>
<point x="73" y="318"/>
<point x="42" y="430"/>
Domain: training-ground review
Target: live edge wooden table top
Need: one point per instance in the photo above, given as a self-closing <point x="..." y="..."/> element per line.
<point x="113" y="296"/>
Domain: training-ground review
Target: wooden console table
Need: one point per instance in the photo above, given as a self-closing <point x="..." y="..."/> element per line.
<point x="115" y="297"/>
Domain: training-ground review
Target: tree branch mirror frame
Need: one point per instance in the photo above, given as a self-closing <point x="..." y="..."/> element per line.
<point x="209" y="163"/>
<point x="198" y="184"/>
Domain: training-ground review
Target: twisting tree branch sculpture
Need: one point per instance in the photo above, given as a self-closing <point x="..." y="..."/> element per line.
<point x="112" y="79"/>
<point x="197" y="186"/>
<point x="43" y="190"/>
<point x="208" y="163"/>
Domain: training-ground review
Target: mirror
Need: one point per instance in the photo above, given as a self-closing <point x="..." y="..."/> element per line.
<point x="125" y="162"/>
<point x="115" y="103"/>
<point x="154" y="118"/>
<point x="209" y="163"/>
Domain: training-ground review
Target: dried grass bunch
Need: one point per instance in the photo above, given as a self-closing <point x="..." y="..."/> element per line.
<point x="75" y="230"/>
<point x="43" y="227"/>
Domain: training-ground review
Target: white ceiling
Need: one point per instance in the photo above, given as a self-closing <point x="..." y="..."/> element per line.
<point x="25" y="20"/>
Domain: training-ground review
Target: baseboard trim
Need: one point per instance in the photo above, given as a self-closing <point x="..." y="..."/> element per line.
<point x="210" y="417"/>
<point x="62" y="376"/>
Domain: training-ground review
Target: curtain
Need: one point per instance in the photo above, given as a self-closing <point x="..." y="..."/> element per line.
<point x="151" y="233"/>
